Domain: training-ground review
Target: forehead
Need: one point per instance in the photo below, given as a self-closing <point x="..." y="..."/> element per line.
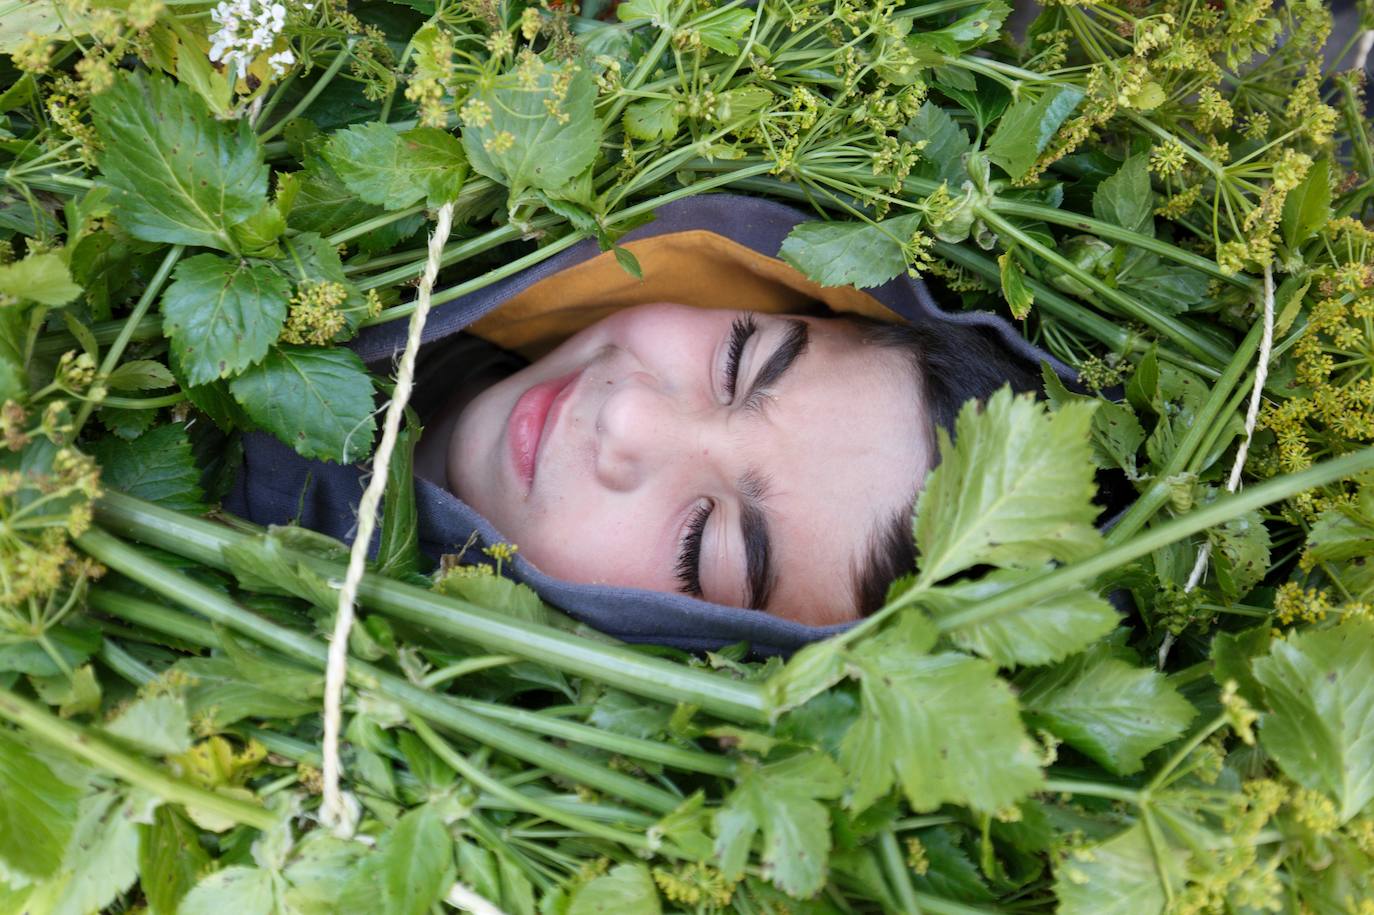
<point x="849" y="444"/>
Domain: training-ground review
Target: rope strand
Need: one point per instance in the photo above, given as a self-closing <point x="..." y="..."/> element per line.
<point x="1251" y="418"/>
<point x="334" y="812"/>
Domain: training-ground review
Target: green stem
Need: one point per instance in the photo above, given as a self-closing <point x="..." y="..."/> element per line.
<point x="501" y="791"/>
<point x="613" y="665"/>
<point x="325" y="79"/>
<point x="214" y="605"/>
<point x="1116" y="233"/>
<point x="77" y="741"/>
<point x="376" y="222"/>
<point x="126" y="332"/>
<point x="458" y="251"/>
<point x="143" y="403"/>
<point x="1093" y="789"/>
<point x="1167" y="325"/>
<point x="125" y="664"/>
<point x="890" y="853"/>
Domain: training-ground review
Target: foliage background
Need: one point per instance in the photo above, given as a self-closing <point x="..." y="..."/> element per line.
<point x="202" y="204"/>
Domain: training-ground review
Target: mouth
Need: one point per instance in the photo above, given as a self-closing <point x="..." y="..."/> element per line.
<point x="534" y="414"/>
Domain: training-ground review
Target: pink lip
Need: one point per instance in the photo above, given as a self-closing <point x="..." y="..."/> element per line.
<point x="534" y="414"/>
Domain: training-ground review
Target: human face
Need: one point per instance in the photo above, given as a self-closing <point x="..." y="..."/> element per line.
<point x="746" y="459"/>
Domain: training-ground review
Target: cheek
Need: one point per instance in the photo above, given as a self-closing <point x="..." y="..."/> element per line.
<point x="588" y="539"/>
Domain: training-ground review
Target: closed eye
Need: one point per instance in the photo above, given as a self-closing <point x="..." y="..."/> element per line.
<point x="688" y="568"/>
<point x="741" y="330"/>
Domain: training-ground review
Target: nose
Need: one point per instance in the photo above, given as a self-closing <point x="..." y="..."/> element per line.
<point x="642" y="429"/>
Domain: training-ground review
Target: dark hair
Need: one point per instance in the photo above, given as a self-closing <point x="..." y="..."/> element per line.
<point x="953" y="364"/>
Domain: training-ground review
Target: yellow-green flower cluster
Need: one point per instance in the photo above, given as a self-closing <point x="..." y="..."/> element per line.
<point x="316" y="315"/>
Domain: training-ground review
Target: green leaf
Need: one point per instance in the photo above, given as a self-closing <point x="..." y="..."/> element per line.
<point x="42" y="278"/>
<point x="223" y="696"/>
<point x="1014" y="289"/>
<point x="1240" y="553"/>
<point x="101" y="860"/>
<point x="1167" y="286"/>
<point x="398" y="550"/>
<point x="545" y="152"/>
<point x="942" y="158"/>
<point x="158" y="725"/>
<point x="626" y="889"/>
<point x="323" y="203"/>
<point x="1233" y="654"/>
<point x="1015" y="491"/>
<point x="222" y="315"/>
<point x="1345" y="531"/>
<point x="1028" y="126"/>
<point x="1307" y="207"/>
<point x="156" y="466"/>
<point x="1107" y="708"/>
<point x="1320" y="727"/>
<point x="659" y="12"/>
<point x="177" y="174"/>
<point x="1121" y="876"/>
<point x="410" y="870"/>
<point x="944" y="726"/>
<point x="1126" y="199"/>
<point x="318" y="401"/>
<point x="394" y="170"/>
<point x="721" y="30"/>
<point x="951" y="873"/>
<point x="170" y="860"/>
<point x="813" y="670"/>
<point x="141" y="375"/>
<point x="38" y="813"/>
<point x="317" y="872"/>
<point x="237" y="890"/>
<point x="782" y="800"/>
<point x="1040" y="633"/>
<point x="1117" y="434"/>
<point x="651" y="119"/>
<point x="859" y="254"/>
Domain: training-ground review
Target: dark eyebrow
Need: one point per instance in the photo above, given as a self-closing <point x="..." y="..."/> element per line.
<point x="753" y="486"/>
<point x="793" y="344"/>
<point x="753" y="522"/>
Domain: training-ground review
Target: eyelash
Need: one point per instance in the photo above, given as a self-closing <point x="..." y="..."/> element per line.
<point x="689" y="559"/>
<point x="740" y="331"/>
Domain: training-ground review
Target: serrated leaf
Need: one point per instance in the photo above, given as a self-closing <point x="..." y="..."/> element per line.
<point x="1121" y="876"/>
<point x="859" y="254"/>
<point x="101" y="860"/>
<point x="394" y="170"/>
<point x="240" y="890"/>
<point x="42" y="278"/>
<point x="721" y="30"/>
<point x="323" y="203"/>
<point x="1167" y="286"/>
<point x="1049" y="630"/>
<point x="544" y="152"/>
<point x="945" y="727"/>
<point x="319" y="867"/>
<point x="222" y="315"/>
<point x="1014" y="288"/>
<point x="942" y="157"/>
<point x="1117" y="434"/>
<point x="1233" y="654"/>
<point x="1307" y="207"/>
<point x="1344" y="531"/>
<point x="626" y="889"/>
<point x="170" y="860"/>
<point x="410" y="870"/>
<point x="1107" y="708"/>
<point x="398" y="549"/>
<point x="221" y="695"/>
<point x="950" y="873"/>
<point x="177" y="174"/>
<point x="38" y="813"/>
<point x="1126" y="199"/>
<point x="156" y="466"/>
<point x="782" y="800"/>
<point x="1016" y="490"/>
<point x="141" y="375"/>
<point x="318" y="401"/>
<point x="1240" y="553"/>
<point x="1320" y="727"/>
<point x="651" y="119"/>
<point x="158" y="725"/>
<point x="1028" y="126"/>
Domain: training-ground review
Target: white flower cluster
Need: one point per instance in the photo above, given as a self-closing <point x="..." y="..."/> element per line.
<point x="248" y="27"/>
